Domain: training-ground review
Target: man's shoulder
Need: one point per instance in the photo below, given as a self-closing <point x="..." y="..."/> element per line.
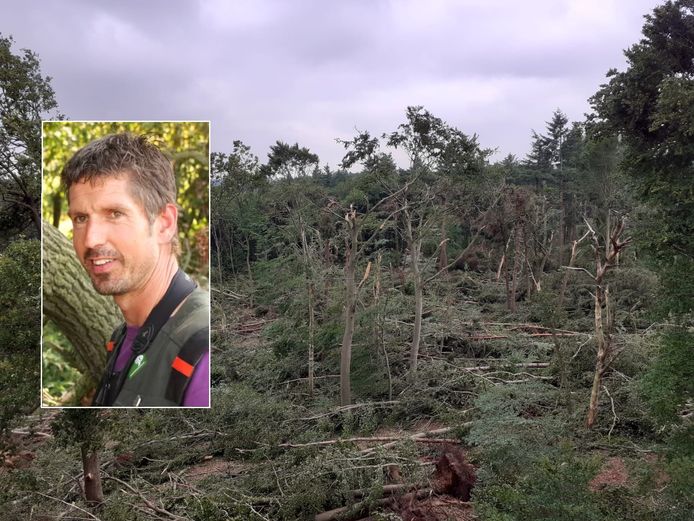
<point x="194" y="313"/>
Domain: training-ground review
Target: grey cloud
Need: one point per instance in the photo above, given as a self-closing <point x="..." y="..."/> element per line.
<point x="311" y="71"/>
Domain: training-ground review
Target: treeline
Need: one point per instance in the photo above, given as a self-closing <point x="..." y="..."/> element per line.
<point x="450" y="208"/>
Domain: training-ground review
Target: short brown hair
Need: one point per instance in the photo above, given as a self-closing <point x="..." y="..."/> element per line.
<point x="151" y="175"/>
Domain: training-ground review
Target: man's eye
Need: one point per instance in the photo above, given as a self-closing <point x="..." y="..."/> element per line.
<point x="116" y="214"/>
<point x="79" y="219"/>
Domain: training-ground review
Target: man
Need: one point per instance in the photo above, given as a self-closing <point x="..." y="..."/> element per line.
<point x="122" y="203"/>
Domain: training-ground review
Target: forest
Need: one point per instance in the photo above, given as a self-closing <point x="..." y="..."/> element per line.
<point x="422" y="333"/>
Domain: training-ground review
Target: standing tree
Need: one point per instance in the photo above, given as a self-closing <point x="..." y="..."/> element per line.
<point x="441" y="156"/>
<point x="361" y="149"/>
<point x="26" y="97"/>
<point x="553" y="159"/>
<point x="289" y="161"/>
<point x="237" y="216"/>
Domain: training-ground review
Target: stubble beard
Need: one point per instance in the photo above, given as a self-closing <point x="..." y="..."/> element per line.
<point x="116" y="285"/>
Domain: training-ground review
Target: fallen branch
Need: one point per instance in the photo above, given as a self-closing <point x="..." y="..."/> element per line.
<point x="417" y="436"/>
<point x="372" y="439"/>
<point x="351" y="512"/>
<point x="531" y="365"/>
<point x="388" y="490"/>
<point x="518" y="325"/>
<point x="420" y="437"/>
<point x="146" y="501"/>
<point x="306" y="378"/>
<point x="344" y="408"/>
<point x="614" y="414"/>
<point x="531" y="335"/>
<point x="26" y="433"/>
<point x="229" y="293"/>
<point x="68" y="504"/>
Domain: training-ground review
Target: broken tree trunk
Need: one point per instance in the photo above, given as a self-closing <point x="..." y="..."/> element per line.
<point x="415" y="246"/>
<point x="350" y="307"/>
<point x="93" y="492"/>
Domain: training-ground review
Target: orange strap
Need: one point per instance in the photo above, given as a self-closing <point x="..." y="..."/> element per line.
<point x="182" y="367"/>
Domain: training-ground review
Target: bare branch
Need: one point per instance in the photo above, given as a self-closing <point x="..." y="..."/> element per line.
<point x="68" y="504"/>
<point x="579" y="269"/>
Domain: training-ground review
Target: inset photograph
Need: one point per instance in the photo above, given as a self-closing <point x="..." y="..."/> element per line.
<point x="125" y="269"/>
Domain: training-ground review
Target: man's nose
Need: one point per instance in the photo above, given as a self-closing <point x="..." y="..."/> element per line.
<point x="94" y="234"/>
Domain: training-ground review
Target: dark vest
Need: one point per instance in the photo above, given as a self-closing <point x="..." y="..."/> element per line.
<point x="161" y="377"/>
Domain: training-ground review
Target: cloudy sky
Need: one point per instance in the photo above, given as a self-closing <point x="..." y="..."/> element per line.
<point x="310" y="71"/>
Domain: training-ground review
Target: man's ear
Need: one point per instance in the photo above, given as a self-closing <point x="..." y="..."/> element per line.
<point x="165" y="225"/>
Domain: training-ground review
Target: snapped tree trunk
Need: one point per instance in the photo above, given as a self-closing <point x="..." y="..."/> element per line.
<point x="414" y="244"/>
<point x="216" y="237"/>
<point x="93" y="492"/>
<point x="350" y="308"/>
<point x="517" y="268"/>
<point x="310" y="294"/>
<point x="562" y="221"/>
<point x="602" y="341"/>
<point x="418" y="304"/>
<point x="443" y="252"/>
<point x="86" y="318"/>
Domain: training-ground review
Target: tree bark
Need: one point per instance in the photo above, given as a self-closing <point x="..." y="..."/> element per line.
<point x="86" y="318"/>
<point x="603" y="346"/>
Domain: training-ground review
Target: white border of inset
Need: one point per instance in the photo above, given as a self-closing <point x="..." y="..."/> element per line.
<point x="209" y="262"/>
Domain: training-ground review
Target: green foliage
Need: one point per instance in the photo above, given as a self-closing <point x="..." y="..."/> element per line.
<point x="680" y="490"/>
<point x="677" y="287"/>
<point x="314" y="480"/>
<point x="549" y="489"/>
<point x="20" y="278"/>
<point x="668" y="385"/>
<point x="83" y="427"/>
<point x="58" y="374"/>
<point x="517" y="424"/>
<point x="289" y="161"/>
<point x="248" y="418"/>
<point x="117" y="508"/>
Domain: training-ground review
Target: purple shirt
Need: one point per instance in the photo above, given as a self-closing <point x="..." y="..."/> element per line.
<point x="196" y="394"/>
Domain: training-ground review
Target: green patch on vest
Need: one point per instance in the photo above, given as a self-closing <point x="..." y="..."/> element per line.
<point x="138" y="364"/>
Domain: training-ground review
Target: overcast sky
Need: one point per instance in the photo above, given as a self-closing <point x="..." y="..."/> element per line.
<point x="310" y="71"/>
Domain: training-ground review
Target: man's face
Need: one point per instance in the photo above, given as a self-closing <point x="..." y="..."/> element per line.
<point x="112" y="236"/>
